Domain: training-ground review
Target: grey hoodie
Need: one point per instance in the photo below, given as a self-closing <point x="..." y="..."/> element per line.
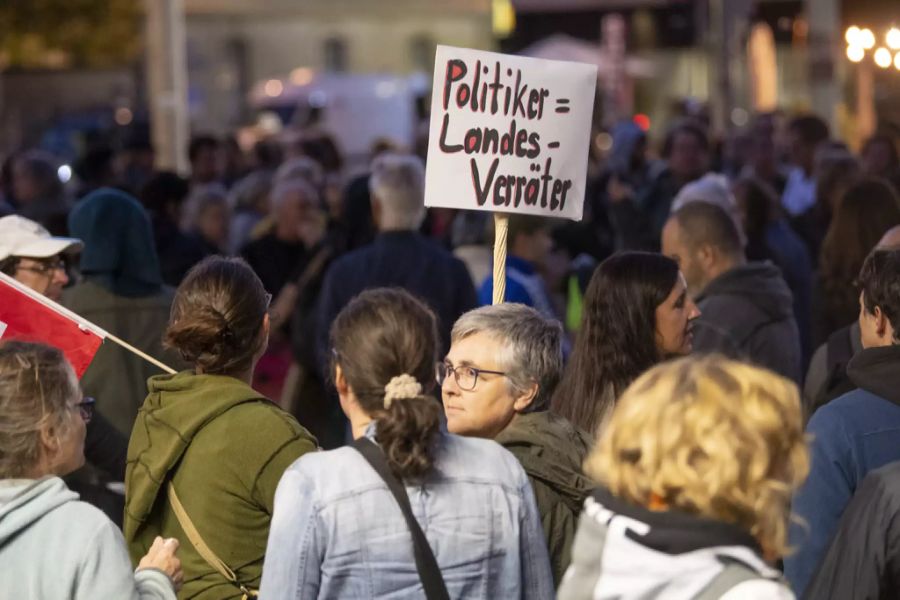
<point x="748" y="314"/>
<point x="626" y="552"/>
<point x="52" y="546"/>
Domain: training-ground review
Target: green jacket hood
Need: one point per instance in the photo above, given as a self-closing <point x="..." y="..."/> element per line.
<point x="552" y="450"/>
<point x="177" y="407"/>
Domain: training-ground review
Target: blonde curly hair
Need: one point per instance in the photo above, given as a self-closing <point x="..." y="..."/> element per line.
<point x="711" y="437"/>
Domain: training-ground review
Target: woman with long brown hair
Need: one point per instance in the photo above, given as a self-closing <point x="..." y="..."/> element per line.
<point x="636" y="313"/>
<point x="409" y="511"/>
<point x="865" y="212"/>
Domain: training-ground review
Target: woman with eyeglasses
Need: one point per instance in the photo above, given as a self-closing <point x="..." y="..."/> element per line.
<point x="207" y="451"/>
<point x="53" y="546"/>
<point x="497" y="380"/>
<point x="408" y="511"/>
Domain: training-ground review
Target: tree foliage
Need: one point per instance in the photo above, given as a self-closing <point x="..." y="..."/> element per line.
<point x="69" y="33"/>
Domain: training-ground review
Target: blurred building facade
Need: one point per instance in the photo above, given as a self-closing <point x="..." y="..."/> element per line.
<point x="234" y="44"/>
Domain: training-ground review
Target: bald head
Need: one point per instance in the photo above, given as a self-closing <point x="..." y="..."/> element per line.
<point x="891" y="239"/>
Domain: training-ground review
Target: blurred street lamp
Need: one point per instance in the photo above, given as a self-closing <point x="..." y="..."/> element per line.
<point x="855" y="53"/>
<point x="853" y="36"/>
<point x="893" y="38"/>
<point x="867" y="39"/>
<point x="883" y="58"/>
<point x="503" y="18"/>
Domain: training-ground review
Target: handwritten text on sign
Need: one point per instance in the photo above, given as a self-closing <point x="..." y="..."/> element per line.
<point x="509" y="134"/>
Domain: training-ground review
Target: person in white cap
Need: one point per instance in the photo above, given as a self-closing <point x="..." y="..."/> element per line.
<point x="29" y="254"/>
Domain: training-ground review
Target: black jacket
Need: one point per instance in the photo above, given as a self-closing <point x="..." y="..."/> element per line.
<point x="748" y="313"/>
<point x="401" y="259"/>
<point x="863" y="561"/>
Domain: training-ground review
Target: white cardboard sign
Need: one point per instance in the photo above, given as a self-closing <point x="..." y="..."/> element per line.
<point x="509" y="134"/>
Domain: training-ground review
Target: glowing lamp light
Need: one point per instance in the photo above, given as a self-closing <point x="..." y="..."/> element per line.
<point x="855" y="53"/>
<point x="883" y="58"/>
<point x="897" y="61"/>
<point x="867" y="39"/>
<point x="301" y="76"/>
<point x="853" y="36"/>
<point x="603" y="141"/>
<point x="503" y="18"/>
<point x="893" y="38"/>
<point x="642" y="121"/>
<point x="64" y="173"/>
<point x="123" y="116"/>
<point x="274" y="88"/>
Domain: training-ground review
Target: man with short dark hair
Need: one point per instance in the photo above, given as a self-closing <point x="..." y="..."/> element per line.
<point x="859" y="431"/>
<point x="746" y="308"/>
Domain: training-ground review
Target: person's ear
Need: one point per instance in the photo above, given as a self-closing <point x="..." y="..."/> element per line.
<point x="706" y="256"/>
<point x="881" y="322"/>
<point x="526" y="398"/>
<point x="340" y="382"/>
<point x="267" y="325"/>
<point x="49" y="435"/>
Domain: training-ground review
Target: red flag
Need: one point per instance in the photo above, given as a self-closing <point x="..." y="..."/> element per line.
<point x="30" y="316"/>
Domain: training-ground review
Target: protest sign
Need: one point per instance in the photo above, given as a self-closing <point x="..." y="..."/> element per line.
<point x="510" y="135"/>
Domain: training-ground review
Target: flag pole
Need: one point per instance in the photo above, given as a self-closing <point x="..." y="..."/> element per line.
<point x="81" y="321"/>
<point x="140" y="353"/>
<point x="501" y="228"/>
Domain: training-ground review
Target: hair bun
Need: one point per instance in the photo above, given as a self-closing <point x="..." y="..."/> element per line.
<point x="401" y="387"/>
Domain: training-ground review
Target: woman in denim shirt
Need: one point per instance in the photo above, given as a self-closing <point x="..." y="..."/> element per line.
<point x="337" y="532"/>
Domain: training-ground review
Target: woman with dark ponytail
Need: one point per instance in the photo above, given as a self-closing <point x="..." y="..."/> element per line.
<point x="207" y="451"/>
<point x="348" y="522"/>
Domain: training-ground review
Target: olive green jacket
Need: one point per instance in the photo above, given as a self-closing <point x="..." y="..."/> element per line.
<point x="225" y="448"/>
<point x="552" y="451"/>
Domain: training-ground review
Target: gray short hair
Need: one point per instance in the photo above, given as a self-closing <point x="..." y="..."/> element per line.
<point x="398" y="183"/>
<point x="532" y="346"/>
<point x="283" y="189"/>
<point x="301" y="167"/>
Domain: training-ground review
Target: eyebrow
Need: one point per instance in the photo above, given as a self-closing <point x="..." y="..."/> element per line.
<point x="462" y="363"/>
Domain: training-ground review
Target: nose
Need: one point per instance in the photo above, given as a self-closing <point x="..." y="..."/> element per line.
<point x="693" y="311"/>
<point x="449" y="387"/>
<point x="60" y="276"/>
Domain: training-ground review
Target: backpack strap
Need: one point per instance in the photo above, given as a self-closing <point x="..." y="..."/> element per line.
<point x="732" y="574"/>
<point x="426" y="563"/>
<point x="202" y="548"/>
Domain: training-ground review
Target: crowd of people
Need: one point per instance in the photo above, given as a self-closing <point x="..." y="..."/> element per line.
<point x="693" y="393"/>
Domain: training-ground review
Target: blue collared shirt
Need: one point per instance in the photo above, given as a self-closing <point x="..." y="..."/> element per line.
<point x="337" y="531"/>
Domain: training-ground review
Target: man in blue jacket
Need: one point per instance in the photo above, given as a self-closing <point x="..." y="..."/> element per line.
<point x="858" y="432"/>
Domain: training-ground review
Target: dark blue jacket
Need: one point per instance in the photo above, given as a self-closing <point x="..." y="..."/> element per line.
<point x="852" y="435"/>
<point x="401" y="259"/>
<point x="524" y="285"/>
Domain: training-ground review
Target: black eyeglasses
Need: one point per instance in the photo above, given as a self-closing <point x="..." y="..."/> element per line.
<point x="466" y="377"/>
<point x="44" y="267"/>
<point x="86" y="408"/>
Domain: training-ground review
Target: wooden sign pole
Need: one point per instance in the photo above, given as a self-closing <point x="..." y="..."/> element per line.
<point x="501" y="227"/>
